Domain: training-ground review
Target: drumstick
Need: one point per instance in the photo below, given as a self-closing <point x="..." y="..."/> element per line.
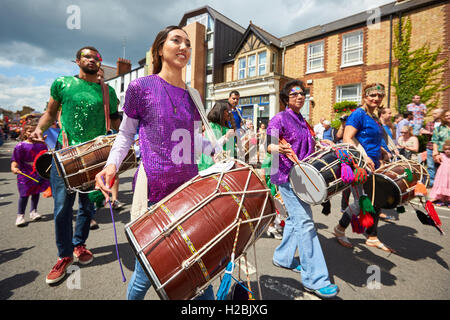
<point x="115" y="232"/>
<point x="293" y="157"/>
<point x="28" y="176"/>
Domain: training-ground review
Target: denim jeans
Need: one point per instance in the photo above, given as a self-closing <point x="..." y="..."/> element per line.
<point x="300" y="233"/>
<point x="140" y="283"/>
<point x="431" y="167"/>
<point x="66" y="239"/>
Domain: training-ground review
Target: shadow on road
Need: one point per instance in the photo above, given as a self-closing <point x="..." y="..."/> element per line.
<point x="352" y="266"/>
<point x="408" y="244"/>
<point x="5" y="161"/>
<point x="107" y="254"/>
<point x="12" y="253"/>
<point x="8" y="285"/>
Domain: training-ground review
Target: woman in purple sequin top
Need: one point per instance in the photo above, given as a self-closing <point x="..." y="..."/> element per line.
<point x="299" y="230"/>
<point x="160" y="107"/>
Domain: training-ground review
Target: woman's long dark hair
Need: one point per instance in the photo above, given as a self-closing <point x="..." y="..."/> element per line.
<point x="216" y="115"/>
<point x="157" y="45"/>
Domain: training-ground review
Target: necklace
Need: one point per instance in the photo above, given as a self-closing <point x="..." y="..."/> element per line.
<point x="372" y="115"/>
<point x="174" y="107"/>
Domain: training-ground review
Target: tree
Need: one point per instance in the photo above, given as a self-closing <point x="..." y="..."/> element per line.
<point x="419" y="71"/>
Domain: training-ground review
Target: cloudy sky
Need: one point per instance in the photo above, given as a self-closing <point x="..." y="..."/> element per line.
<point x="39" y="38"/>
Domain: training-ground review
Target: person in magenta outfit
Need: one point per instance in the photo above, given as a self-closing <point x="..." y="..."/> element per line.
<point x="22" y="161"/>
<point x="157" y="106"/>
<point x="299" y="230"/>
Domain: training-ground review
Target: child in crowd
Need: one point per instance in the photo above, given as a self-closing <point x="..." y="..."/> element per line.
<point x="28" y="181"/>
<point x="440" y="193"/>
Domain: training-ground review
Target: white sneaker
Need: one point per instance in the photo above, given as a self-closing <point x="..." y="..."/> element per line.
<point x="20" y="221"/>
<point x="35" y="216"/>
<point x="273" y="232"/>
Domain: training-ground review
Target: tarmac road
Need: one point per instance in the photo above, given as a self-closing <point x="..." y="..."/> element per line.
<point x="419" y="270"/>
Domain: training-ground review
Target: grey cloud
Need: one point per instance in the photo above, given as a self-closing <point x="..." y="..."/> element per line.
<point x="104" y="24"/>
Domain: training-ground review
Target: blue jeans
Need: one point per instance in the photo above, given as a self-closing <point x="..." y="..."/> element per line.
<point x="140" y="283"/>
<point x="431" y="167"/>
<point x="66" y="239"/>
<point x="300" y="233"/>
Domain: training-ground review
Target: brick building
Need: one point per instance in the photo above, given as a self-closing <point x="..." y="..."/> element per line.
<point x="335" y="60"/>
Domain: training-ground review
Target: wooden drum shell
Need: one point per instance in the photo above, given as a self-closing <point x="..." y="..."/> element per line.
<point x="167" y="257"/>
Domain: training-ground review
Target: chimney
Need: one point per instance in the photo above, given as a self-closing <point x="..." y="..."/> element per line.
<point x="123" y="66"/>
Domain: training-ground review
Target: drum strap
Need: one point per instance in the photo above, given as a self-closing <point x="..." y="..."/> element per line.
<point x="195" y="96"/>
<point x="105" y="94"/>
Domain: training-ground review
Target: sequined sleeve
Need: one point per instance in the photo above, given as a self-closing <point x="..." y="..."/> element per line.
<point x="274" y="128"/>
<point x="356" y="120"/>
<point x="55" y="89"/>
<point x="133" y="101"/>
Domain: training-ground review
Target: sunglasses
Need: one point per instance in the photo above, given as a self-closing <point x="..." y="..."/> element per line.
<point x="374" y="95"/>
<point x="295" y="94"/>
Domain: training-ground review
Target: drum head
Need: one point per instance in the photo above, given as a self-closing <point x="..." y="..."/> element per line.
<point x="387" y="192"/>
<point x="279" y="205"/>
<point x="304" y="183"/>
<point x="43" y="165"/>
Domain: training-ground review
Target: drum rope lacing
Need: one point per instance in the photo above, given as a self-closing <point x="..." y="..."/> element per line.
<point x="208" y="246"/>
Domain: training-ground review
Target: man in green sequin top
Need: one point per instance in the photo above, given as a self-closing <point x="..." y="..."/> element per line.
<point x="82" y="118"/>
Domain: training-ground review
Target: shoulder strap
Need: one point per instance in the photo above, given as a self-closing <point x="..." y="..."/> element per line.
<point x="199" y="104"/>
<point x="105" y="94"/>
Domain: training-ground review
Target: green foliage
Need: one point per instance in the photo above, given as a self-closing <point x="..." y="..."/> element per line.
<point x="336" y="123"/>
<point x="419" y="71"/>
<point x="344" y="106"/>
<point x="423" y="139"/>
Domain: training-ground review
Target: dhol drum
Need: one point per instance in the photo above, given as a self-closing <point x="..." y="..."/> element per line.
<point x="318" y="177"/>
<point x="186" y="240"/>
<point x="44" y="164"/>
<point x="395" y="183"/>
<point x="79" y="164"/>
<point x="279" y="205"/>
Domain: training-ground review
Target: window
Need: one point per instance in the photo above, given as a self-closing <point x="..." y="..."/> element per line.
<point x="210" y="39"/>
<point x="265" y="99"/>
<point x="305" y="109"/>
<point x="209" y="59"/>
<point x="241" y="68"/>
<point x="188" y="72"/>
<point x="350" y="92"/>
<point x="262" y="63"/>
<point x="245" y="100"/>
<point x="352" y="48"/>
<point x="252" y="65"/>
<point x="315" y="57"/>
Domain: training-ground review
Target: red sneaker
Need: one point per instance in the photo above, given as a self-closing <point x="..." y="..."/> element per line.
<point x="59" y="270"/>
<point x="83" y="255"/>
